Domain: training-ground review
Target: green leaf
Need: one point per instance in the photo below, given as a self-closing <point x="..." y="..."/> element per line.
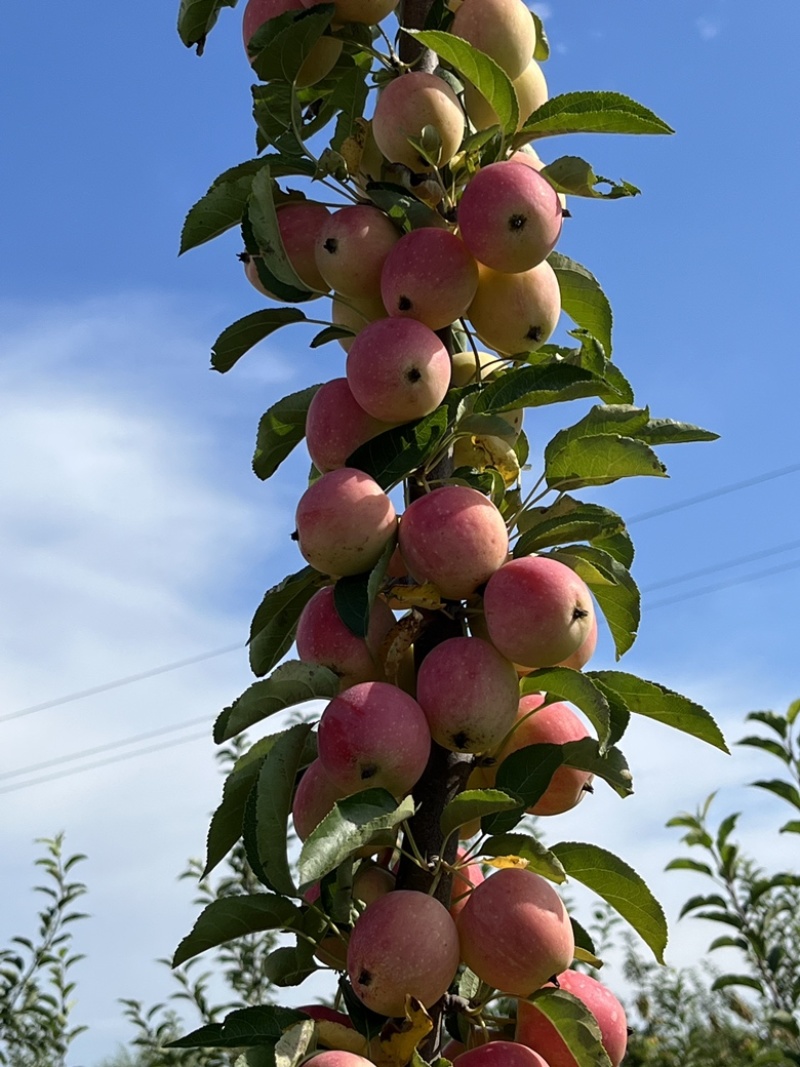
<point x="222" y="207"/>
<point x="793" y="711"/>
<point x="657" y="702"/>
<point x="525" y="773"/>
<point x="355" y="595"/>
<point x="239" y="338"/>
<point x="767" y="745"/>
<point x="785" y="790"/>
<point x="284" y="54"/>
<point x="620" y="886"/>
<point x="583" y="299"/>
<point x="573" y="175"/>
<point x="486" y="75"/>
<point x="728" y="942"/>
<point x="610" y="765"/>
<point x="269" y="806"/>
<point x="538" y="858"/>
<point x="349" y="98"/>
<point x="576" y="1025"/>
<point x="393" y="455"/>
<point x="791" y="827"/>
<point x="583" y="939"/>
<point x="562" y="683"/>
<point x="263" y="218"/>
<point x="541" y="50"/>
<point x="330" y="333"/>
<point x="280" y="429"/>
<point x="474" y="804"/>
<point x="402" y="207"/>
<point x="196" y="19"/>
<point x="775" y="722"/>
<point x="247" y="1027"/>
<point x="567" y="520"/>
<point x="726" y="980"/>
<point x="275" y="621"/>
<point x="290" y="965"/>
<point x="226" y="822"/>
<point x="292" y="683"/>
<point x="592" y="112"/>
<point x="612" y="586"/>
<point x="351" y="825"/>
<point x="534" y="386"/>
<point x="669" y="432"/>
<point x="693" y="903"/>
<point x="230" y="917"/>
<point x="598" y="460"/>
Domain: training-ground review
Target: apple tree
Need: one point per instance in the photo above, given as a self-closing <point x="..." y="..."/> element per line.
<point x="449" y="584"/>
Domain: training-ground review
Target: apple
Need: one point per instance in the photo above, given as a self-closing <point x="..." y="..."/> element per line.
<point x="336" y="425"/>
<point x="350" y="250"/>
<point x="501" y="1054"/>
<point x="503" y="29"/>
<point x="430" y="276"/>
<point x="323" y="55"/>
<point x="514" y="931"/>
<point x="374" y="735"/>
<point x="405" y="107"/>
<point x="398" y="370"/>
<point x="314" y="798"/>
<point x="537" y="1032"/>
<point x="454" y="537"/>
<point x="344" y="521"/>
<point x="538" y="611"/>
<point x="485" y="707"/>
<point x="405" y="943"/>
<point x="531" y="90"/>
<point x="516" y="313"/>
<point x="323" y="638"/>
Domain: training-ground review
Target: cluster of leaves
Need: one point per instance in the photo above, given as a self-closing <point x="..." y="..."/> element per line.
<point x="36" y="985"/>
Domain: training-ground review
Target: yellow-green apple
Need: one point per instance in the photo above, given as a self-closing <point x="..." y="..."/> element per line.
<point x="324" y="52"/>
<point x="404" y="944"/>
<point x="405" y="107"/>
<point x="538" y="611"/>
<point x="344" y="521"/>
<point x="515" y="313"/>
<point x="354" y="314"/>
<point x="398" y="370"/>
<point x="509" y="217"/>
<point x="514" y="931"/>
<point x="531" y="90"/>
<point x="503" y="29"/>
<point x="454" y="537"/>
<point x="536" y="1031"/>
<point x="429" y="275"/>
<point x="469" y="693"/>
<point x="336" y="425"/>
<point x="374" y="735"/>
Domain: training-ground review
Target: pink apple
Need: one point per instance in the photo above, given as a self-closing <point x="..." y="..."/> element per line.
<point x="344" y="521"/>
<point x="398" y="370"/>
<point x="501" y="1054"/>
<point x="404" y="944"/>
<point x="516" y="313"/>
<point x="515" y="932"/>
<point x="430" y="276"/>
<point x="537" y="1032"/>
<point x="454" y="537"/>
<point x="538" y="611"/>
<point x="314" y="798"/>
<point x="351" y="248"/>
<point x="374" y="735"/>
<point x="509" y="217"/>
<point x="323" y="638"/>
<point x="469" y="693"/>
<point x="336" y="425"/>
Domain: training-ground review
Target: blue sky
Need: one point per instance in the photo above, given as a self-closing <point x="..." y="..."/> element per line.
<point x="135" y="535"/>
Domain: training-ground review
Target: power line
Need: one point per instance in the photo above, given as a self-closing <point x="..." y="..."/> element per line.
<point x="725" y="585"/>
<point x="118" y="682"/>
<point x="734" y="487"/>
<point x="103" y="763"/>
<point x="751" y="558"/>
<point x="31" y="768"/>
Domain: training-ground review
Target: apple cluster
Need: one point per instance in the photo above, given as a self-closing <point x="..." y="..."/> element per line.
<point x="479" y="266"/>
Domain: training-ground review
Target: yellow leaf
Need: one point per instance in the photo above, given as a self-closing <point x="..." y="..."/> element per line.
<point x="482" y="452"/>
<point x="336" y="1036"/>
<point x="506" y="861"/>
<point x="416" y="596"/>
<point x="397" y="1041"/>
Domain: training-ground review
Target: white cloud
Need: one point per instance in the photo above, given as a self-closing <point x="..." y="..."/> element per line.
<point x="708" y="28"/>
